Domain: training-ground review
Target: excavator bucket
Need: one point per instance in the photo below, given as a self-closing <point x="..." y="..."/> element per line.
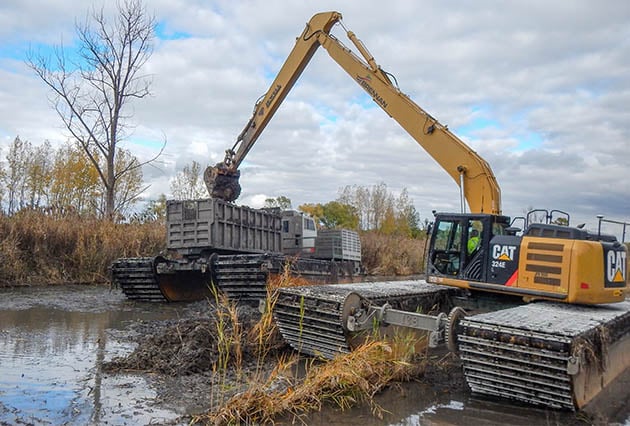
<point x="222" y="182"/>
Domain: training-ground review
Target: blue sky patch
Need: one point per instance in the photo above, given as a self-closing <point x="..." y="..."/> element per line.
<point x="149" y="143"/>
<point x="328" y="115"/>
<point x="21" y="51"/>
<point x="163" y="32"/>
<point x="526" y="139"/>
<point x="529" y="140"/>
<point x="477" y="124"/>
<point x="365" y="101"/>
<point x="269" y="73"/>
<point x="16" y="51"/>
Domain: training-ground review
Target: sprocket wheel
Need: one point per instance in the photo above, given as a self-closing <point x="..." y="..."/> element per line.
<point x="454" y="317"/>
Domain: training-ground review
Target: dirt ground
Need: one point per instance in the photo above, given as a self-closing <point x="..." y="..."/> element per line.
<point x="184" y="357"/>
<point x="58" y="365"/>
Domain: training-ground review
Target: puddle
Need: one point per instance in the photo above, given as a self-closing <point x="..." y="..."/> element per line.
<point x="53" y="342"/>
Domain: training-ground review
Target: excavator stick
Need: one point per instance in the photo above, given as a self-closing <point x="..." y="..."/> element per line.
<point x="222" y="182"/>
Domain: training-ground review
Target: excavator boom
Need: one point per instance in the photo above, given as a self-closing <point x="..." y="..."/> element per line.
<point x="471" y="172"/>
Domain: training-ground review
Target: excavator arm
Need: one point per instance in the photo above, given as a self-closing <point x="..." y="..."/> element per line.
<point x="472" y="173"/>
<point x="222" y="179"/>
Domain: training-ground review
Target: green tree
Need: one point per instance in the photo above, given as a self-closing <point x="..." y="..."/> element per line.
<point x="281" y="202"/>
<point x="339" y="215"/>
<point x="332" y="215"/>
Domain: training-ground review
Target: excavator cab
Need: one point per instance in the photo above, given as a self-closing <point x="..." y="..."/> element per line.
<point x="548" y="261"/>
<point x="460" y="244"/>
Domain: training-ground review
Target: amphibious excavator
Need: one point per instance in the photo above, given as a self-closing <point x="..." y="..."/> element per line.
<point x="547" y="319"/>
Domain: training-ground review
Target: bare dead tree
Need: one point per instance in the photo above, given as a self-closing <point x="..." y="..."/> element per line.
<point x="92" y="93"/>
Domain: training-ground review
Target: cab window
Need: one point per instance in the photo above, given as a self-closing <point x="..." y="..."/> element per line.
<point x="498" y="228"/>
<point x="448" y="236"/>
<point x="309" y="224"/>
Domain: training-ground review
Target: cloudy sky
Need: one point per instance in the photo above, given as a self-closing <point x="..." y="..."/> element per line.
<point x="541" y="89"/>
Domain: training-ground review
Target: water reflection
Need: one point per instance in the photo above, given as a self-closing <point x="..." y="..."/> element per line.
<point x="52" y="346"/>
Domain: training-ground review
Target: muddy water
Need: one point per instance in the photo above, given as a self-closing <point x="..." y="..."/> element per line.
<point x="53" y="341"/>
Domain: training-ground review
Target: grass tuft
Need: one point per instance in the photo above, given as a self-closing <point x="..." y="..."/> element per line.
<point x="348" y="380"/>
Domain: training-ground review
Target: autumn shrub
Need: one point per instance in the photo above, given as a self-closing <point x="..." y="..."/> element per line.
<point x="36" y="248"/>
<point x="392" y="254"/>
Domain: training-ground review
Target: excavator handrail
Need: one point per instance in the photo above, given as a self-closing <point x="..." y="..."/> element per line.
<point x="472" y="173"/>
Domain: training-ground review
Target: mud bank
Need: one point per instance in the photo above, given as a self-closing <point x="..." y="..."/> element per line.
<point x="85" y="355"/>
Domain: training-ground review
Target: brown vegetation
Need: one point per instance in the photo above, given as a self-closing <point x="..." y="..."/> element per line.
<point x="348" y="380"/>
<point x="36" y="248"/>
<point x="40" y="248"/>
<point x="392" y="254"/>
<point x="253" y="379"/>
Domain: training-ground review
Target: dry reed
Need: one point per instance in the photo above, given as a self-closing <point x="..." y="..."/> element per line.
<point x="392" y="254"/>
<point x="348" y="380"/>
<point x="36" y="248"/>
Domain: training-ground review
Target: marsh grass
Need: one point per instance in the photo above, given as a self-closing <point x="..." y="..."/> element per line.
<point x="37" y="249"/>
<point x="346" y="381"/>
<point x="298" y="385"/>
<point x="229" y="346"/>
<point x="392" y="254"/>
<point x="233" y="344"/>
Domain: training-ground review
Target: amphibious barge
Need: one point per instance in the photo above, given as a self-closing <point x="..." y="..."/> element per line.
<point x="236" y="249"/>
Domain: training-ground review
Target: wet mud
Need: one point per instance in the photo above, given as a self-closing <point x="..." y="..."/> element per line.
<point x="85" y="355"/>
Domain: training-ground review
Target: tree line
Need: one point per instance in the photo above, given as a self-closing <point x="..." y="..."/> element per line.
<point x="62" y="181"/>
<point x="92" y="95"/>
<point x="358" y="207"/>
<point x="369" y="208"/>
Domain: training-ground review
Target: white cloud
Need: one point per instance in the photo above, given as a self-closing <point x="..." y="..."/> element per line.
<point x="557" y="70"/>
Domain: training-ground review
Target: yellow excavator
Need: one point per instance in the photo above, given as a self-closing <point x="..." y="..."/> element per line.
<point x="558" y="352"/>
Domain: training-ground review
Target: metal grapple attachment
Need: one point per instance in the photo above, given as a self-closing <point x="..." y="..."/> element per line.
<point x="222" y="182"/>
